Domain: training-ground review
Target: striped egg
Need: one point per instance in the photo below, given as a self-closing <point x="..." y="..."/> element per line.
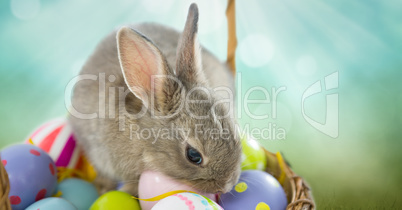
<point x="56" y="138"/>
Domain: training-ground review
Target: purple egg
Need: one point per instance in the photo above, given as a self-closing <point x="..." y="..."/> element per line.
<point x="32" y="174"/>
<point x="255" y="190"/>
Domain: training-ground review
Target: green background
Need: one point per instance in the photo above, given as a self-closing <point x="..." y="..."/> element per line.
<point x="285" y="43"/>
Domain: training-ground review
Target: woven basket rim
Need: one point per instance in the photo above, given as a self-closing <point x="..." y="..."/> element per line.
<point x="296" y="189"/>
<point x="4" y="188"/>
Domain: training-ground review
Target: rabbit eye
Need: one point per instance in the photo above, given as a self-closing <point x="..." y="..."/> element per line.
<point x="194" y="156"/>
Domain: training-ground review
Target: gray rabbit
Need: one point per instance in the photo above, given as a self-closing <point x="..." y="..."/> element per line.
<point x="133" y="100"/>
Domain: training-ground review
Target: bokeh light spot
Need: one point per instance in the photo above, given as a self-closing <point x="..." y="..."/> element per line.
<point x="306" y="65"/>
<point x="212" y="16"/>
<point x="157" y="7"/>
<point x="256" y="50"/>
<point x="25" y="9"/>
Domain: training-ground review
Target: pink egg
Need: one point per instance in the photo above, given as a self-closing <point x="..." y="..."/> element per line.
<point x="56" y="138"/>
<point x="152" y="184"/>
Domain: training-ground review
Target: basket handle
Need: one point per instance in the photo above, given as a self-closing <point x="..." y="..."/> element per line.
<point x="232" y="39"/>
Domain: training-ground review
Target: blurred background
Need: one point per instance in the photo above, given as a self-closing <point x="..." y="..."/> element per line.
<point x="288" y="44"/>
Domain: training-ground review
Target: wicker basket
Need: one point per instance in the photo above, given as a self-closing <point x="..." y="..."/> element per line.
<point x="4" y="189"/>
<point x="297" y="191"/>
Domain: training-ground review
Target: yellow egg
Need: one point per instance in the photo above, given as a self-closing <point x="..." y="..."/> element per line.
<point x="115" y="200"/>
<point x="253" y="156"/>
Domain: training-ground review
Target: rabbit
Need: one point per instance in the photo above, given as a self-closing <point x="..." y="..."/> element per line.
<point x="126" y="60"/>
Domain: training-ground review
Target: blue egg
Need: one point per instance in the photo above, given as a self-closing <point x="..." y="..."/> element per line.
<point x="32" y="174"/>
<point x="255" y="190"/>
<point x="51" y="204"/>
<point x="79" y="192"/>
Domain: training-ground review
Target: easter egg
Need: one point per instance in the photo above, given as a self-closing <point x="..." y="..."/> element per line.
<point x="115" y="200"/>
<point x="253" y="155"/>
<point x="152" y="184"/>
<point x="185" y="201"/>
<point x="51" y="204"/>
<point x="56" y="138"/>
<point x="32" y="174"/>
<point x="79" y="192"/>
<point x="255" y="190"/>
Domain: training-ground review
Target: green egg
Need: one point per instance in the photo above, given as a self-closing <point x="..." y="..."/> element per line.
<point x="115" y="200"/>
<point x="253" y="155"/>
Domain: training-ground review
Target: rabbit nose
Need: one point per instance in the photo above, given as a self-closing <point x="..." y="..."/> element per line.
<point x="227" y="188"/>
<point x="223" y="191"/>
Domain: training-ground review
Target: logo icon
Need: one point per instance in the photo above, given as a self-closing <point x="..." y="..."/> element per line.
<point x="331" y="124"/>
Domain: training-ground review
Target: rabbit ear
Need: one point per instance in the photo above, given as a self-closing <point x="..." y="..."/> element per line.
<point x="188" y="64"/>
<point x="142" y="64"/>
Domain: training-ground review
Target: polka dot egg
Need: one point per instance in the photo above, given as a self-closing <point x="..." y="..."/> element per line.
<point x="255" y="190"/>
<point x="186" y="201"/>
<point x="32" y="174"/>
